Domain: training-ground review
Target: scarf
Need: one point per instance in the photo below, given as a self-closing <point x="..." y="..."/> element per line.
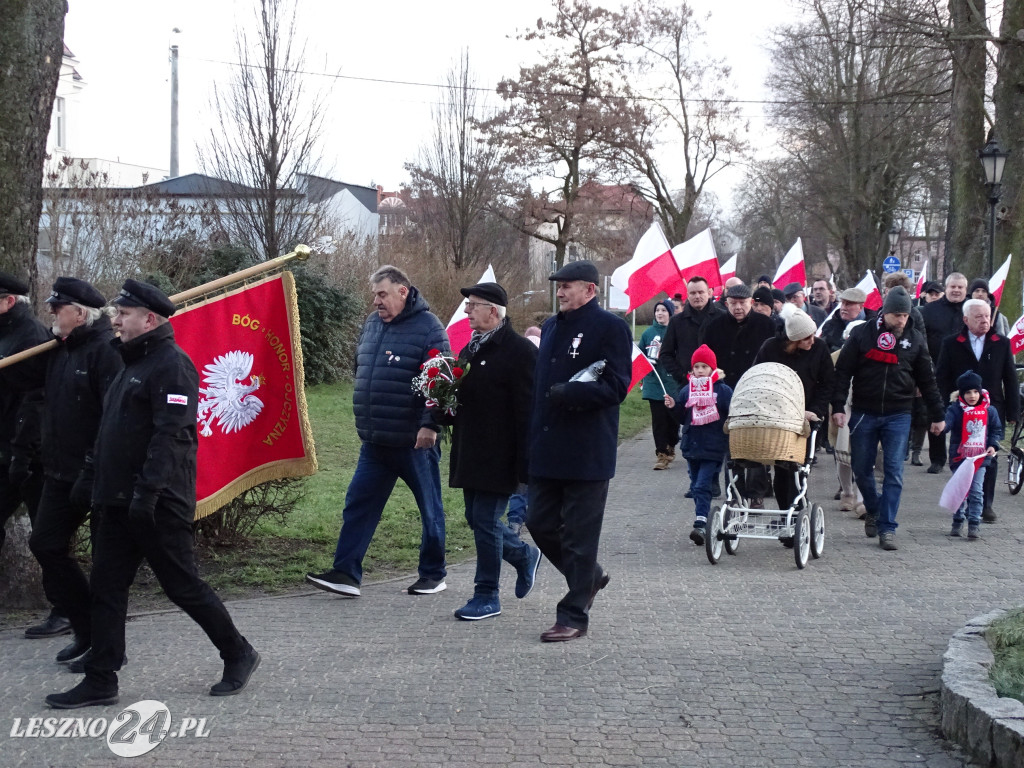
<point x="974" y="427"/>
<point x="702" y="399"/>
<point x="886" y="345"/>
<point x="479" y="337"/>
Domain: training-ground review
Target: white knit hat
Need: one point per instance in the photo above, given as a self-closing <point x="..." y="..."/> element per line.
<point x="799" y="325"/>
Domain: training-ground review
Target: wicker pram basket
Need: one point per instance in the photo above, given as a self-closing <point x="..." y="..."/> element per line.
<point x="766" y="417"/>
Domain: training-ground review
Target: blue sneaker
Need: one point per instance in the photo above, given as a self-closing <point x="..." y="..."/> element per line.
<point x="479" y="608"/>
<point x="528" y="574"/>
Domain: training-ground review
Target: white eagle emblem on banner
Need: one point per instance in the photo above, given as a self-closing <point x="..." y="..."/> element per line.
<point x="226" y="399"/>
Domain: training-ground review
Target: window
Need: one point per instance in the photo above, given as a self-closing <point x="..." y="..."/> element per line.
<point x="58" y="124"/>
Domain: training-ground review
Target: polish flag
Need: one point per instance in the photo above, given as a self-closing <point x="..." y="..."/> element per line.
<point x="459" y="332"/>
<point x="998" y="281"/>
<point x="867" y="284"/>
<point x="651" y="270"/>
<point x="697" y="257"/>
<point x="641" y="367"/>
<point x="921" y="280"/>
<point x="791" y="270"/>
<point x="728" y="269"/>
<point x="1017" y="336"/>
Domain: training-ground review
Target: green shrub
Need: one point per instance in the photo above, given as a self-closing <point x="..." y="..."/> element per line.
<point x="1006" y="638"/>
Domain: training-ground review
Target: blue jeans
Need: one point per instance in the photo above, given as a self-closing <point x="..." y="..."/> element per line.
<point x="494" y="540"/>
<point x="971" y="508"/>
<point x="378" y="470"/>
<point x="702" y="475"/>
<point x="867" y="430"/>
<point x="517" y="505"/>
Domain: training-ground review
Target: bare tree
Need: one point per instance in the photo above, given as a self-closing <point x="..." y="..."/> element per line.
<point x="266" y="135"/>
<point x="686" y="129"/>
<point x="31" y="52"/>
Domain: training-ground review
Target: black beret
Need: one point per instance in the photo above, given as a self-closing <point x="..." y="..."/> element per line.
<point x="741" y="291"/>
<point x="931" y="287"/>
<point x="778" y="295"/>
<point x="71" y="290"/>
<point x="492" y="292"/>
<point x="763" y="295"/>
<point x="764" y="279"/>
<point x="577" y="270"/>
<point x="792" y="289"/>
<point x="136" y="294"/>
<point x="10" y="284"/>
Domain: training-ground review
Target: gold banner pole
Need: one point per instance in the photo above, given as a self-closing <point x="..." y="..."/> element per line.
<point x="301" y="253"/>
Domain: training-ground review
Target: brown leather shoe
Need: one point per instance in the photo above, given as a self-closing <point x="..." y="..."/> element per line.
<point x="600" y="584"/>
<point x="560" y="633"/>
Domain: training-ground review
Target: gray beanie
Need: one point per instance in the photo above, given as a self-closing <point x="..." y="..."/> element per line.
<point x="799" y="325"/>
<point x="897" y="301"/>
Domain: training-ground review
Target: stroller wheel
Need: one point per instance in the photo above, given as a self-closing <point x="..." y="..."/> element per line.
<point x="802" y="540"/>
<point x="817" y="531"/>
<point x="730" y="544"/>
<point x="713" y="541"/>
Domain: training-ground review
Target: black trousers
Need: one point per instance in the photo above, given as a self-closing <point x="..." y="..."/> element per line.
<point x="167" y="545"/>
<point x="57" y="521"/>
<point x="565" y="518"/>
<point x="989" y="483"/>
<point x="11" y="498"/>
<point x="937" y="448"/>
<point x="664" y="427"/>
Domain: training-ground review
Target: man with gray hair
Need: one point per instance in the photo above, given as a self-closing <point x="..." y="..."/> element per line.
<point x="980" y="349"/>
<point x="398" y="434"/>
<point x="78" y="374"/>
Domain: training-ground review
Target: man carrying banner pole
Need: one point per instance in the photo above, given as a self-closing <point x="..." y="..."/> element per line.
<point x="143" y="477"/>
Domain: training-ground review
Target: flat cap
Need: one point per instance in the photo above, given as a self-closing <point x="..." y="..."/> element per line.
<point x="577" y="270"/>
<point x="854" y="295"/>
<point x="136" y="294"/>
<point x="492" y="292"/>
<point x="763" y="295"/>
<point x="10" y="284"/>
<point x="71" y="290"/>
<point x="931" y="287"/>
<point x="741" y="291"/>
<point x="792" y="289"/>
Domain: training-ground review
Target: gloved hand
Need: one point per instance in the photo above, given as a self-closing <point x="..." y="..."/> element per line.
<point x="81" y="492"/>
<point x="18" y="472"/>
<point x="140" y="511"/>
<point x="557" y="393"/>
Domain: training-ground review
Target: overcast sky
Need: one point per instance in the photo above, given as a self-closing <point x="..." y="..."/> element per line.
<point x="372" y="127"/>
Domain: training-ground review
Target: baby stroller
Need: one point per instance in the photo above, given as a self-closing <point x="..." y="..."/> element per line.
<point x="766" y="426"/>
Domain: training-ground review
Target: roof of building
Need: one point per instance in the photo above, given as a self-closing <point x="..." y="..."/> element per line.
<point x="319" y="189"/>
<point x="200" y="185"/>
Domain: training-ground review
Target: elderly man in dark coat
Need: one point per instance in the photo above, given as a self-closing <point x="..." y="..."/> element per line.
<point x="574" y="437"/>
<point x="489" y="441"/>
<point x="980" y="349"/>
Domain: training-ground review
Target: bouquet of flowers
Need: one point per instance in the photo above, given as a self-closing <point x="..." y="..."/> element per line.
<point x="439" y="381"/>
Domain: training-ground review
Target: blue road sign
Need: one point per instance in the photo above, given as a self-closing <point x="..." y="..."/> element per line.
<point x="891" y="264"/>
<point x="909" y="273"/>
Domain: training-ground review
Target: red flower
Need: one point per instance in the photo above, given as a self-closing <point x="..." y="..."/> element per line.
<point x="434" y="352"/>
<point x="431" y="385"/>
<point x="457" y="372"/>
<point x="432" y="372"/>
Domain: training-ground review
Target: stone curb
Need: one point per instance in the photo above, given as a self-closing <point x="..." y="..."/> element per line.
<point x="990" y="728"/>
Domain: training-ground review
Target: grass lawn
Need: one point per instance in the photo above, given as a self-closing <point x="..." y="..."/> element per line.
<point x="1006" y="637"/>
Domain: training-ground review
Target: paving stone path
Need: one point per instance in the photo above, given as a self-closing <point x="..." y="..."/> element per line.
<point x="747" y="663"/>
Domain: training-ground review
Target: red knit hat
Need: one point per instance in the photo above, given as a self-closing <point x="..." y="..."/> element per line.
<point x="704" y="355"/>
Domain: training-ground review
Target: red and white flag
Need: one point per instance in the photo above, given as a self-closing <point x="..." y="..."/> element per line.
<point x="651" y="270"/>
<point x="641" y="367"/>
<point x="459" y="332"/>
<point x="998" y="281"/>
<point x="921" y="280"/>
<point x="959" y="485"/>
<point x="874" y="296"/>
<point x="252" y="420"/>
<point x="697" y="257"/>
<point x="791" y="270"/>
<point x="728" y="269"/>
<point x="1017" y="336"/>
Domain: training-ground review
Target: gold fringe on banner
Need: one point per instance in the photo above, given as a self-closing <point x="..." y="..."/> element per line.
<point x="275" y="470"/>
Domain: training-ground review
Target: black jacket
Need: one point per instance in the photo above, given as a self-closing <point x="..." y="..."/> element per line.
<point x="681" y="337"/>
<point x="78" y="374"/>
<point x="488" y="451"/>
<point x="388" y="411"/>
<point x="832" y="330"/>
<point x="885" y="372"/>
<point x="145" y="451"/>
<point x="996" y="368"/>
<point x="574" y="430"/>
<point x="942" y="319"/>
<point x="736" y="343"/>
<point x="20" y="384"/>
<point x="813" y="366"/>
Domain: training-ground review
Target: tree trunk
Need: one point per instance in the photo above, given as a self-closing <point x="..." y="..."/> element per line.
<point x="21" y="580"/>
<point x="1009" y="103"/>
<point x="31" y="50"/>
<point x="965" y="233"/>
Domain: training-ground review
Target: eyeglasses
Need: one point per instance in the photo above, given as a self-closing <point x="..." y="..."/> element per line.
<point x="471" y="305"/>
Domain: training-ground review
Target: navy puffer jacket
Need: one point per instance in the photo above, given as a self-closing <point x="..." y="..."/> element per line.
<point x="388" y="411"/>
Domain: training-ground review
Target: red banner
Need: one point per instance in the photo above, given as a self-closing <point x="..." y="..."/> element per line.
<point x="252" y="421"/>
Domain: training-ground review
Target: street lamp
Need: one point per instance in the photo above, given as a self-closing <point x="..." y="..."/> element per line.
<point x="993" y="160"/>
<point x="894" y="238"/>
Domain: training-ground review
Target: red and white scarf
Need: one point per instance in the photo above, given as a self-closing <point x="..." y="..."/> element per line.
<point x="702" y="399"/>
<point x="974" y="426"/>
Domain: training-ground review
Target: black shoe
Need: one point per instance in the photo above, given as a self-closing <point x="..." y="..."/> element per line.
<point x="427" y="587"/>
<point x="334" y="581"/>
<point x="716" y="490"/>
<point x="54" y="625"/>
<point x="601" y="583"/>
<point x="935" y="468"/>
<point x="915" y="459"/>
<point x="697" y="536"/>
<point x="839" y="495"/>
<point x="688" y="494"/>
<point x="78" y="647"/>
<point x="870" y="526"/>
<point x="988" y="515"/>
<point x="85" y="694"/>
<point x="77" y="667"/>
<point x="236" y="675"/>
